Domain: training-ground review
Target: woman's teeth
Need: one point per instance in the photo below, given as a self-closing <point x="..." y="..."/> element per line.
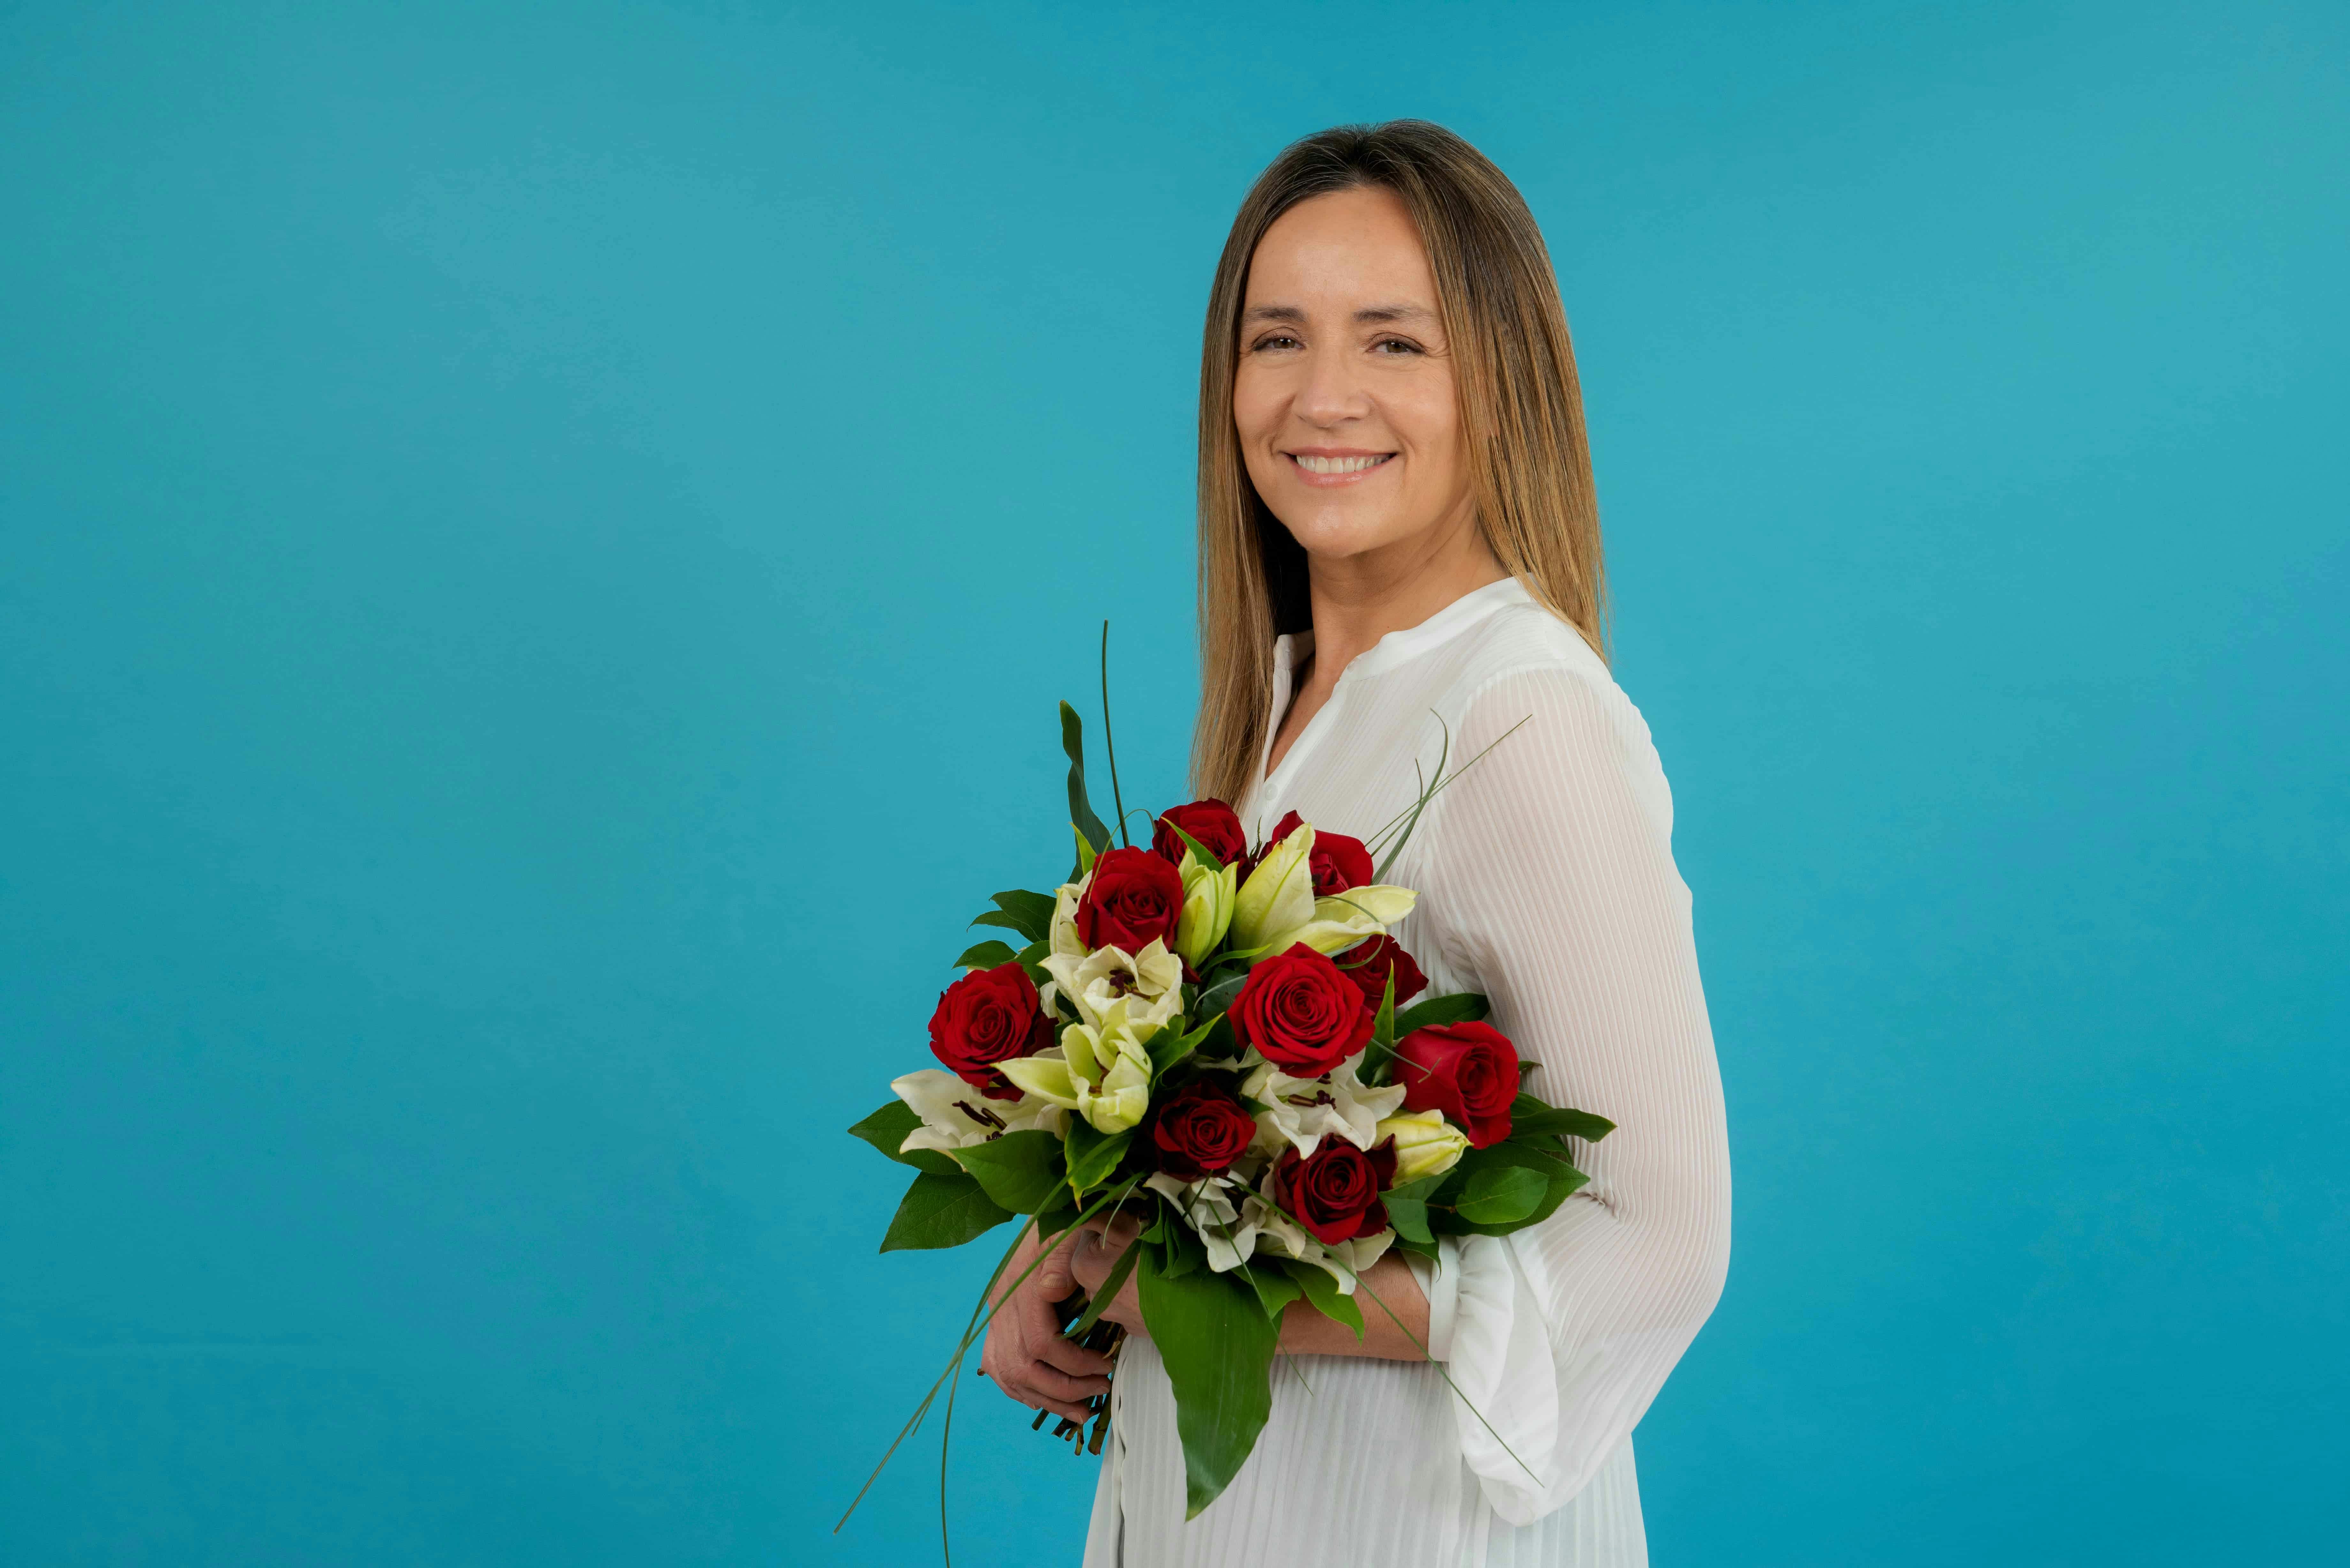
<point x="1338" y="464"/>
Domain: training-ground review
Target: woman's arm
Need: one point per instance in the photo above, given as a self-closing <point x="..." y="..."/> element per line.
<point x="1556" y="889"/>
<point x="1026" y="1355"/>
<point x="1397" y="1332"/>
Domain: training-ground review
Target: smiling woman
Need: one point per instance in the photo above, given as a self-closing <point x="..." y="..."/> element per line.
<point x="1399" y="563"/>
<point x="1424" y="344"/>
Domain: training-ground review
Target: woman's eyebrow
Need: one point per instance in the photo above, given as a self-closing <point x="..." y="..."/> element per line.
<point x="1291" y="314"/>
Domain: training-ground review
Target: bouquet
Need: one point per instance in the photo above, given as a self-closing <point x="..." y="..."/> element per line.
<point x="1222" y="1041"/>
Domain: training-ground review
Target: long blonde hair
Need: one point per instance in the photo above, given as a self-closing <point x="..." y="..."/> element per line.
<point x="1520" y="411"/>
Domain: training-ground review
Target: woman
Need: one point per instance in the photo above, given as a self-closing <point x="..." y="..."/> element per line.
<point x="1399" y="554"/>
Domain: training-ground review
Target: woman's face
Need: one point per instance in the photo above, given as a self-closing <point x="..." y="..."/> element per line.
<point x="1344" y="399"/>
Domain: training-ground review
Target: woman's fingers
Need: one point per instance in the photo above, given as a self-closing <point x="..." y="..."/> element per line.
<point x="1096" y="1254"/>
<point x="1038" y="1383"/>
<point x="1072" y="1358"/>
<point x="1087" y="1267"/>
<point x="1025" y="1354"/>
<point x="1051" y="1280"/>
<point x="1053" y="1382"/>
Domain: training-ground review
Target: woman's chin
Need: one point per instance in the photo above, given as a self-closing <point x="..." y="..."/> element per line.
<point x="1342" y="537"/>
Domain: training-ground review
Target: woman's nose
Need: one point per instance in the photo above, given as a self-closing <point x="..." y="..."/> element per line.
<point x="1332" y="393"/>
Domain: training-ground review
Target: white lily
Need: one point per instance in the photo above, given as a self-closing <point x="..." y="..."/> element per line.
<point x="1208" y="898"/>
<point x="956" y="1116"/>
<point x="1212" y="1207"/>
<point x="1102" y="1073"/>
<point x="1063" y="935"/>
<point x="1150" y="983"/>
<point x="1425" y="1144"/>
<point x="1273" y="1231"/>
<point x="1342" y="920"/>
<point x="1301" y="1111"/>
<point x="1278" y="895"/>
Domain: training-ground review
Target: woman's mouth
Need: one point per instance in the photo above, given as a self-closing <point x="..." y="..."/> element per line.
<point x="1337" y="468"/>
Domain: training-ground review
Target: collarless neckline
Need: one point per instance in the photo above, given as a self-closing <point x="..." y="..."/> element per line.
<point x="1291" y="649"/>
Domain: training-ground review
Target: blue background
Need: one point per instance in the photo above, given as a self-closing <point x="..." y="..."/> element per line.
<point x="538" y="545"/>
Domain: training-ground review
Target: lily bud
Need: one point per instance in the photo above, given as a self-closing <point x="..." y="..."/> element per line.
<point x="1279" y="894"/>
<point x="1336" y="923"/>
<point x="1208" y="901"/>
<point x="1425" y="1144"/>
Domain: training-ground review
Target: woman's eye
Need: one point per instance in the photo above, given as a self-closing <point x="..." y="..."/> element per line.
<point x="1277" y="340"/>
<point x="1395" y="346"/>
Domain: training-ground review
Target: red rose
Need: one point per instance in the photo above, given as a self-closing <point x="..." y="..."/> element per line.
<point x="1468" y="1071"/>
<point x="1337" y="861"/>
<point x="1200" y="1130"/>
<point x="1335" y="1192"/>
<point x="990" y="1015"/>
<point x="1370" y="963"/>
<point x="1301" y="1013"/>
<point x="1133" y="899"/>
<point x="1211" y="822"/>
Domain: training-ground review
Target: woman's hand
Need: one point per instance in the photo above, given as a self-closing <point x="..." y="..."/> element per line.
<point x="1094" y="1254"/>
<point x="1026" y="1355"/>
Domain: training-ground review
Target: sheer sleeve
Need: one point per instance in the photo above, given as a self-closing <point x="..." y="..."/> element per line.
<point x="1553" y="885"/>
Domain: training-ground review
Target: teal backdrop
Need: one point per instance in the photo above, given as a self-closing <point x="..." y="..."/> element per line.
<point x="539" y="543"/>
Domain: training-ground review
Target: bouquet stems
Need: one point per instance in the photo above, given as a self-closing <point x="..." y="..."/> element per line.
<point x="1103" y="1339"/>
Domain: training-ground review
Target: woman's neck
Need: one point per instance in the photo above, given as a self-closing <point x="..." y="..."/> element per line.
<point x="1359" y="599"/>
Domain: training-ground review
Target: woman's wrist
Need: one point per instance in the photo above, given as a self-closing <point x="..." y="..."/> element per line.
<point x="1395" y="1319"/>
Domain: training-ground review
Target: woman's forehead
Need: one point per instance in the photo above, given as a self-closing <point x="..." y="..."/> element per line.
<point x="1356" y="250"/>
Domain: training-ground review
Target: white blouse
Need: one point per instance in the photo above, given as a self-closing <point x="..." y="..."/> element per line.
<point x="1546" y="881"/>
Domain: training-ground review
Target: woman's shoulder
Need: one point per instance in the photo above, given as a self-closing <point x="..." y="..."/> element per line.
<point x="1525" y="664"/>
<point x="1524" y="642"/>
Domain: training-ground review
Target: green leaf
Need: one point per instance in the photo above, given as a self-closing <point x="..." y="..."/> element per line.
<point x="886" y="1129"/>
<point x="1169" y="1046"/>
<point x="1422" y="1190"/>
<point x="1406" y="1208"/>
<point x="1216" y="1344"/>
<point x="1215" y="998"/>
<point x="1212" y="1039"/>
<point x="941" y="1211"/>
<point x="1094" y="1156"/>
<point x="1417" y="1246"/>
<point x="1020" y="1170"/>
<point x="1274" y="1290"/>
<point x="1030" y="914"/>
<point x="1561" y="1180"/>
<point x="1081" y="810"/>
<point x="1324" y="1292"/>
<point x="1501" y="1194"/>
<point x="1107" y="1293"/>
<point x="986" y="955"/>
<point x="1182" y="1253"/>
<point x="1206" y="855"/>
<point x="1085" y="852"/>
<point x="1531" y="1118"/>
<point x="1462" y="1007"/>
<point x="1378" y="1058"/>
